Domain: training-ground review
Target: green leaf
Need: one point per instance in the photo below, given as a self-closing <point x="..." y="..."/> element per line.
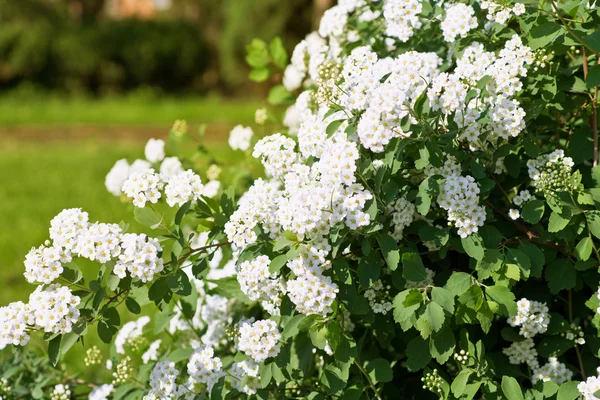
<point x="568" y="391"/>
<point x="279" y="95"/>
<point x="389" y="249"/>
<point x="492" y="261"/>
<point x="181" y="212"/>
<point x="423" y="159"/>
<point x="277" y="263"/>
<point x="179" y="283"/>
<point x="259" y="74"/>
<point x="278" y="53"/>
<point x="418" y="355"/>
<point x="444" y="298"/>
<point x="292" y="326"/>
<point x="511" y="388"/>
<point x="405" y="304"/>
<point x="473" y="245"/>
<point x="504" y="297"/>
<point x="133" y="305"/>
<point x="460" y="382"/>
<point x="105" y="332"/>
<point x="583" y="250"/>
<point x="379" y="370"/>
<point x="434" y="315"/>
<point x="533" y="211"/>
<point x="593" y="40"/>
<point x="517" y="257"/>
<point x="560" y="275"/>
<point x="369" y="270"/>
<point x="543" y="35"/>
<point x="459" y="283"/>
<point x="442" y="345"/>
<point x="333" y="127"/>
<point x="414" y="270"/>
<point x="593" y="220"/>
<point x="557" y="223"/>
<point x="54" y="350"/>
<point x="147" y="217"/>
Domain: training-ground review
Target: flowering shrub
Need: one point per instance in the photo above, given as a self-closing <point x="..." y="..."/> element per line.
<point x="426" y="226"/>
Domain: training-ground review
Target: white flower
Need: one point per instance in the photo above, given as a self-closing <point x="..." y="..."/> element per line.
<point x="259" y="340"/>
<point x="514" y="214"/>
<point x="532" y="316"/>
<point x="101" y="392"/>
<point x="260" y="285"/>
<point x="139" y="257"/>
<point x="554" y="371"/>
<point x="155" y="150"/>
<point x="523" y="352"/>
<point x="143" y="186"/>
<point x="116" y="177"/>
<point x="458" y="21"/>
<point x="152" y="352"/>
<point x="129" y="332"/>
<point x="170" y="167"/>
<point x="183" y="187"/>
<point x="203" y="367"/>
<point x="239" y="138"/>
<point x="60" y="392"/>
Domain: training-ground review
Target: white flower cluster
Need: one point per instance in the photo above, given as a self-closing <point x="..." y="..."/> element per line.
<point x="65" y="229"/>
<point x="402" y="216"/>
<point x="43" y="264"/>
<point x="550" y="172"/>
<point x="60" y="392"/>
<point x="522" y="198"/>
<point x="244" y="377"/>
<point x="501" y="13"/>
<point x="523" y="352"/>
<point x="121" y="171"/>
<point x="590" y="386"/>
<point x="379" y="298"/>
<point x="123" y="371"/>
<point x="458" y="21"/>
<point x="532" y="316"/>
<point x="260" y="285"/>
<point x="162" y="381"/>
<point x="53" y="308"/>
<point x="240" y="137"/>
<point x="312" y="294"/>
<point x="259" y="340"/>
<point x="459" y="196"/>
<point x="129" y="332"/>
<point x="101" y="392"/>
<point x="402" y="18"/>
<point x="155" y="150"/>
<point x="143" y="186"/>
<point x="151" y="354"/>
<point x="183" y="187"/>
<point x="99" y="242"/>
<point x="139" y="256"/>
<point x="204" y="368"/>
<point x="554" y="371"/>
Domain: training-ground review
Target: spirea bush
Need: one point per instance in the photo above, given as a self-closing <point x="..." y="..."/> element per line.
<point x="425" y="225"/>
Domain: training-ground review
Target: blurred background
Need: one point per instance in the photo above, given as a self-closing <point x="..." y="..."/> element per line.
<point x="84" y="83"/>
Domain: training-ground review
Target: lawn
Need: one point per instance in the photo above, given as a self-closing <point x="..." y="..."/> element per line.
<point x="138" y="109"/>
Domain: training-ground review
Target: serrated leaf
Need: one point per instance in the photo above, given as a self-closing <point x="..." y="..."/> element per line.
<point x="504" y="297"/>
<point x="418" y="355"/>
<point x="413" y="270"/>
<point x="379" y="370"/>
<point x="533" y="211"/>
<point x="459" y="283"/>
<point x="473" y="245"/>
<point x="444" y="298"/>
<point x="568" y="391"/>
<point x="556" y="223"/>
<point x="389" y="249"/>
<point x="583" y="250"/>
<point x="593" y="220"/>
<point x="560" y="275"/>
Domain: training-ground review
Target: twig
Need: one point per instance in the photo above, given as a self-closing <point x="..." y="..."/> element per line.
<point x="368" y="379"/>
<point x="579" y="359"/>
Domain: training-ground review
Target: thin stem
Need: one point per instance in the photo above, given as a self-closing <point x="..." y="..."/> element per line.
<point x="571" y="31"/>
<point x="368" y="380"/>
<point x="579" y="358"/>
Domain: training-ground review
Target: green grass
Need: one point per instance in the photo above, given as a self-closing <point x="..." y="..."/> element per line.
<point x="19" y="110"/>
